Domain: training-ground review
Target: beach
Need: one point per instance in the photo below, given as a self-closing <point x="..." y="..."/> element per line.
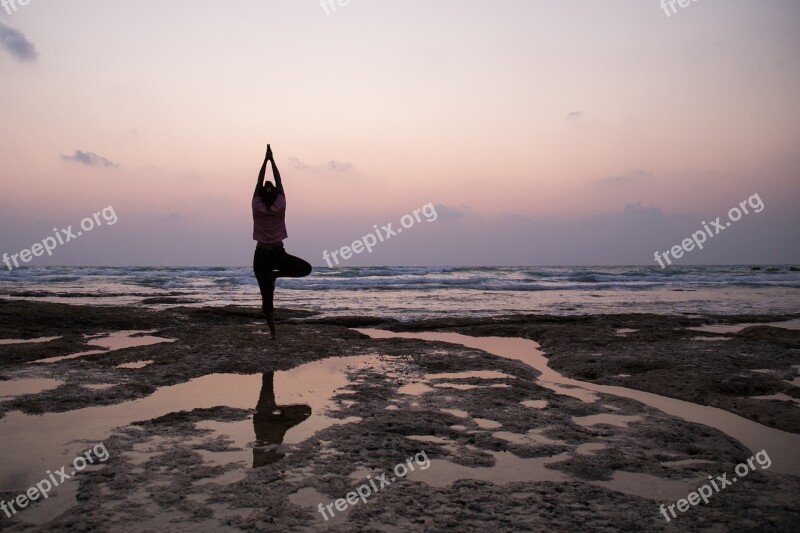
<point x="400" y="266"/>
<point x="526" y="421"/>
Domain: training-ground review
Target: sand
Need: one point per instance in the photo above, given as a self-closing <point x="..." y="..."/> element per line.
<point x="187" y="415"/>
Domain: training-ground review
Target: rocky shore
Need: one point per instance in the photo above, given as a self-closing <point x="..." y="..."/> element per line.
<point x="505" y="452"/>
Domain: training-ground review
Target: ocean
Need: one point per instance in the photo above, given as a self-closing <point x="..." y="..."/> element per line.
<point x="409" y="293"/>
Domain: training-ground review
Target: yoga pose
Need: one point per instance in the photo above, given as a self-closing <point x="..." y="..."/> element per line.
<point x="271" y="260"/>
<point x="272" y="421"/>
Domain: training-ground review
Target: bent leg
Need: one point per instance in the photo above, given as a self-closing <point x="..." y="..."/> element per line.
<point x="290" y="266"/>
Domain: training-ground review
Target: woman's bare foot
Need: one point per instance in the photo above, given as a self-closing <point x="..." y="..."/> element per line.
<point x="271" y="323"/>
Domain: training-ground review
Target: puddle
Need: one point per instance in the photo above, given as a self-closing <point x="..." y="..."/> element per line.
<point x="589" y="448"/>
<point x="535" y="404"/>
<point x="458" y="386"/>
<point x="736" y="328"/>
<point x="652" y="487"/>
<point x="625" y="331"/>
<point x="228" y="478"/>
<point x="310" y="498"/>
<point x="119" y="340"/>
<point x="572" y="391"/>
<point x="99" y="386"/>
<point x="712" y="339"/>
<point x="621" y="421"/>
<point x="484" y="423"/>
<point x="421" y="387"/>
<point x="415" y="389"/>
<point x="135" y="365"/>
<point x="144" y="451"/>
<point x="4" y="342"/>
<point x="59" y="502"/>
<point x="508" y="468"/>
<point x="456" y="412"/>
<point x="514" y="438"/>
<point x="290" y="407"/>
<point x="18" y="387"/>
<point x="780" y="397"/>
<point x="781" y="446"/>
<point x="480" y="374"/>
<point x="537" y="435"/>
<point x="531" y="438"/>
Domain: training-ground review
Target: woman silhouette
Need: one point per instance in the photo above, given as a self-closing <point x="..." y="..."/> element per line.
<point x="269" y="228"/>
<point x="272" y="421"/>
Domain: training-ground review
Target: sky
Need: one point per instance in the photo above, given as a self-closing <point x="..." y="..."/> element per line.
<point x="542" y="132"/>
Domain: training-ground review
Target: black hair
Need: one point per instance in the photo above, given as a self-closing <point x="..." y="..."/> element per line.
<point x="269" y="193"/>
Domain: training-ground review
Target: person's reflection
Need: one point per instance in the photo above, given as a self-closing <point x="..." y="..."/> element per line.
<point x="272" y="421"/>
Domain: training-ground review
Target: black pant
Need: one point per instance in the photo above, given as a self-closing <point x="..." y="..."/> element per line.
<point x="277" y="263"/>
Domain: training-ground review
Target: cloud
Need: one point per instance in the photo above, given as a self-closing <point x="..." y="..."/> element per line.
<point x="88" y="158"/>
<point x="16" y="44"/>
<point x="574" y="116"/>
<point x="331" y="166"/>
<point x="451" y="212"/>
<point x="632" y="214"/>
<point x="636" y="177"/>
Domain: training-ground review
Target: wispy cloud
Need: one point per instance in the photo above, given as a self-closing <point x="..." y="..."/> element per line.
<point x="451" y="211"/>
<point x="638" y="213"/>
<point x="16" y="44"/>
<point x="574" y="116"/>
<point x="633" y="178"/>
<point x="88" y="158"/>
<point x="331" y="166"/>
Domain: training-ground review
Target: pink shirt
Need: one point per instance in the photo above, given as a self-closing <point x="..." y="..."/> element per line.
<point x="269" y="224"/>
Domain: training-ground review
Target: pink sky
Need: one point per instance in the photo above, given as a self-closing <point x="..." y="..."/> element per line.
<point x="547" y="132"/>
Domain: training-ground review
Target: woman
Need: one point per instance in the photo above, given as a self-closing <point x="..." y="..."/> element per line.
<point x="271" y="422"/>
<point x="271" y="260"/>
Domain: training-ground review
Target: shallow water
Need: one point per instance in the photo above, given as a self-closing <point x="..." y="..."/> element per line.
<point x="607" y="419"/>
<point x="781" y="446"/>
<point x="736" y="328"/>
<point x="27" y="341"/>
<point x="34" y="444"/>
<point x="18" y="387"/>
<point x="135" y="365"/>
<point x="118" y="340"/>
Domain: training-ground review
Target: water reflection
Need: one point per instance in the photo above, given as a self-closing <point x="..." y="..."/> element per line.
<point x="272" y="421"/>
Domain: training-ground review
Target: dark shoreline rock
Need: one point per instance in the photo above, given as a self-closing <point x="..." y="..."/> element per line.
<point x="174" y="480"/>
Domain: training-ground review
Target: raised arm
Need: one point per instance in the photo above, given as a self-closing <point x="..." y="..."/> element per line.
<point x="275" y="173"/>
<point x="262" y="172"/>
